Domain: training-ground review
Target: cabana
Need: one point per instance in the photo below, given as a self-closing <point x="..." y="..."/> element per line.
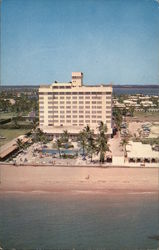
<point x="138" y="152"/>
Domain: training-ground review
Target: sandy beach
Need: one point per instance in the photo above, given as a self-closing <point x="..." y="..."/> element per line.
<point x="77" y="178"/>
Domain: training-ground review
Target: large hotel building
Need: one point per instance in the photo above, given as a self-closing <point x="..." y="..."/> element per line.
<point x="73" y="105"/>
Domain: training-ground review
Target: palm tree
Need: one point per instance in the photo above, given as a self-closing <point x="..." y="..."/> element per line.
<point x="102" y="127"/>
<point x="83" y="141"/>
<point x="59" y="145"/>
<point x="91" y="145"/>
<point x="124" y="143"/>
<point x="65" y="136"/>
<point x="102" y="145"/>
<point x="117" y="118"/>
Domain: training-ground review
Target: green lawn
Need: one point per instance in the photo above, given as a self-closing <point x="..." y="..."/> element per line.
<point x="11" y="134"/>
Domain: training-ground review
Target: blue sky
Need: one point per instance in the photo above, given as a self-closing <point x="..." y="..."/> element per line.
<point x="108" y="40"/>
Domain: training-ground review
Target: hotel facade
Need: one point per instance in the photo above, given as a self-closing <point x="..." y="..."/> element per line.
<point x="73" y="106"/>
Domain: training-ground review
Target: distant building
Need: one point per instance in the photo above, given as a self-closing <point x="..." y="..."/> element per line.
<point x="73" y="105"/>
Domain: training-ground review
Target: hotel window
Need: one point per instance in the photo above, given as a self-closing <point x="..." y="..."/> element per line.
<point x="55" y="111"/>
<point x="80" y="97"/>
<point x="93" y="121"/>
<point x="50" y="107"/>
<point x="74" y="97"/>
<point x="87" y="116"/>
<point x="62" y="121"/>
<point x="108" y="93"/>
<point x="81" y="102"/>
<point x="87" y="93"/>
<point x="87" y="97"/>
<point x="99" y="107"/>
<point x="55" y="102"/>
<point x="74" y="111"/>
<point x="93" y="107"/>
<point x="41" y="121"/>
<point x="55" y="116"/>
<point x="74" y="116"/>
<point x="68" y="107"/>
<point x="74" y="102"/>
<point x="74" y="93"/>
<point x="68" y="93"/>
<point x="62" y="107"/>
<point x="107" y="116"/>
<point x="61" y="93"/>
<point x="99" y="102"/>
<point x="55" y="107"/>
<point x="62" y="116"/>
<point x="56" y="121"/>
<point x="99" y="117"/>
<point x="68" y="102"/>
<point x="74" y="124"/>
<point x="74" y="107"/>
<point x="99" y="112"/>
<point x="62" y="103"/>
<point x="93" y="111"/>
<point x="80" y="116"/>
<point x="93" y="116"/>
<point x="41" y="97"/>
<point x="81" y="93"/>
<point x="81" y="111"/>
<point x="68" y="121"/>
<point x="81" y="124"/>
<point x="87" y="111"/>
<point x="50" y="112"/>
<point x="81" y="121"/>
<point x="74" y="121"/>
<point x="41" y="102"/>
<point x="62" y="97"/>
<point x="41" y="116"/>
<point x="68" y="116"/>
<point x="62" y="111"/>
<point x="50" y="98"/>
<point x="50" y="116"/>
<point x="49" y="102"/>
<point x="93" y="102"/>
<point x="81" y="107"/>
<point x="41" y="111"/>
<point x="87" y="107"/>
<point x="87" y="121"/>
<point x="87" y="102"/>
<point x="68" y="111"/>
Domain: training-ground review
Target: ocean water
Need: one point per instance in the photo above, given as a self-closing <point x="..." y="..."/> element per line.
<point x="79" y="220"/>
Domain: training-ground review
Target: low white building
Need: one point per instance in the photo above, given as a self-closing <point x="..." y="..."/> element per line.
<point x="138" y="152"/>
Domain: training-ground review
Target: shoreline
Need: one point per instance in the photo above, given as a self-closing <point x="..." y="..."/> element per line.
<point x="70" y="179"/>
